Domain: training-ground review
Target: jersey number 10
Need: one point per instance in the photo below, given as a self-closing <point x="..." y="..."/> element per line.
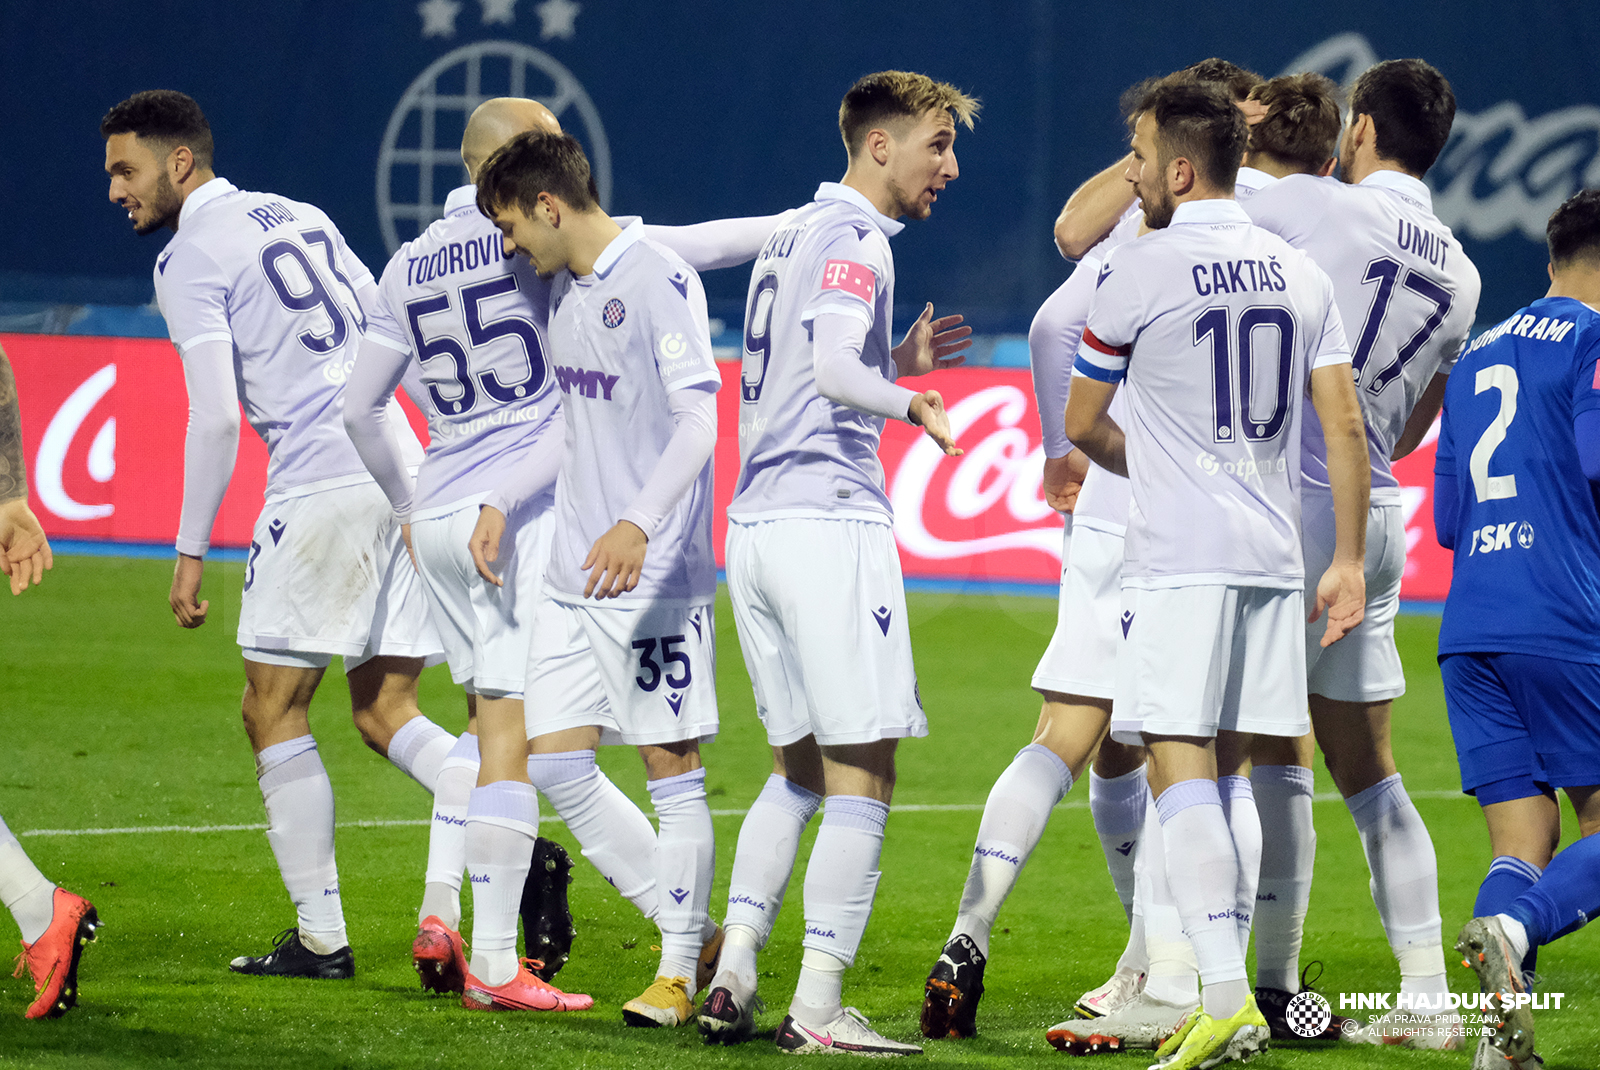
<point x="1237" y="405"/>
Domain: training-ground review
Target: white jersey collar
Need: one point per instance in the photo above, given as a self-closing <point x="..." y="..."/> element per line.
<point x="461" y="197"/>
<point x="838" y="191"/>
<point x="617" y="246"/>
<point x="202" y="196"/>
<point x="1412" y="189"/>
<point x="1252" y="179"/>
<point x="1211" y="210"/>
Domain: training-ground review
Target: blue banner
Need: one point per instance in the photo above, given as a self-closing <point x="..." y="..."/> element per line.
<point x="697" y="110"/>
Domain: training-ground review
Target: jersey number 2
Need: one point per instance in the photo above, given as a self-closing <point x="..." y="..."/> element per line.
<point x="1501" y="377"/>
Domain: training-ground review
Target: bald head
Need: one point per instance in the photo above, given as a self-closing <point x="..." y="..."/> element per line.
<point x="497" y="121"/>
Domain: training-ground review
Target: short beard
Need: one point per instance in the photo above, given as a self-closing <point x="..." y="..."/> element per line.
<point x="907" y="206"/>
<point x="1346" y="152"/>
<point x="1158" y="209"/>
<point x="164" y="208"/>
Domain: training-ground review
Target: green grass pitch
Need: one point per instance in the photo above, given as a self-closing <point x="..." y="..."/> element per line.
<point x="114" y="717"/>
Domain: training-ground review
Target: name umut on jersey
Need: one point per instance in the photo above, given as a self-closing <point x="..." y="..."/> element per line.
<point x="1406" y="292"/>
<point x="1216" y="326"/>
<point x="1526" y="517"/>
<point x="802" y="454"/>
<point x="475" y="320"/>
<point x="274" y="278"/>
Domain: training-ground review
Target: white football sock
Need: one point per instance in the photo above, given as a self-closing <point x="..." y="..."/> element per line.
<point x="419" y="750"/>
<point x="612" y="832"/>
<point x="447" y="835"/>
<point x="686" y="864"/>
<point x="1516" y="935"/>
<point x="1288" y="856"/>
<point x="1199" y="847"/>
<point x="841" y="881"/>
<point x="1171" y="974"/>
<point x="763" y="861"/>
<point x="502" y="823"/>
<point x="1014" y="817"/>
<point x="299" y="799"/>
<point x="1244" y="825"/>
<point x="736" y="969"/>
<point x="1117" y="805"/>
<point x="1405" y="882"/>
<point x="26" y="892"/>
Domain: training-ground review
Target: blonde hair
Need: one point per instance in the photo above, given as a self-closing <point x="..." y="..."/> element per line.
<point x="888" y="95"/>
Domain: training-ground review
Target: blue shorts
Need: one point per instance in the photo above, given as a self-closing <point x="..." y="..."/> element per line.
<point x="1522" y="724"/>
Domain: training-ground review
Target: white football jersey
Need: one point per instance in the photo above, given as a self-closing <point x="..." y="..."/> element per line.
<point x="475" y="320"/>
<point x="621" y="339"/>
<point x="802" y="455"/>
<point x="1216" y="326"/>
<point x="273" y="277"/>
<point x="1406" y="291"/>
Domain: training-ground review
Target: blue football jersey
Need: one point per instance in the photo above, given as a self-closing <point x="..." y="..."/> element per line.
<point x="1527" y="537"/>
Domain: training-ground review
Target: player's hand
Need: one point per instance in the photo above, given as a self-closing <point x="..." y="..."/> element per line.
<point x="927" y="412"/>
<point x="1254" y="111"/>
<point x="24" y="551"/>
<point x="1063" y="479"/>
<point x="931" y="344"/>
<point x="616" y="560"/>
<point x="1342" y="591"/>
<point x="186" y="590"/>
<point x="405" y="537"/>
<point x="485" y="542"/>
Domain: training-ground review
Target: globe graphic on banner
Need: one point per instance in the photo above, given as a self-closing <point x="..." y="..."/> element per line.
<point x="419" y="162"/>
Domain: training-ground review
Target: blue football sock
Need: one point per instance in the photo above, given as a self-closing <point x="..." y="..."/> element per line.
<point x="1565" y="897"/>
<point x="1508" y="878"/>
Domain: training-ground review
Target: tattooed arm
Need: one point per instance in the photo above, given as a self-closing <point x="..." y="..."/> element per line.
<point x="24" y="551"/>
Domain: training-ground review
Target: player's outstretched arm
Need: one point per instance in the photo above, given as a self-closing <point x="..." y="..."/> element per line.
<point x="1342" y="590"/>
<point x="719" y="243"/>
<point x="24" y="550"/>
<point x="1090" y="427"/>
<point x="1093" y="209"/>
<point x="931" y="344"/>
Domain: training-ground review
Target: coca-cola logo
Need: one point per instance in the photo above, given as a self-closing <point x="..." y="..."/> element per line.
<point x="1500" y="171"/>
<point x="49" y="465"/>
<point x="1000" y="473"/>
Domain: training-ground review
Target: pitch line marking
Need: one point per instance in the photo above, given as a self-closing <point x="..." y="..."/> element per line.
<point x="911" y="808"/>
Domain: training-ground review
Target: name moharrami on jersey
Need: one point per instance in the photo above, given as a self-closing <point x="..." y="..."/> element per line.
<point x="1216" y="326"/>
<point x="476" y="321"/>
<point x="801" y="454"/>
<point x="1406" y="291"/>
<point x="622" y="338"/>
<point x="274" y="277"/>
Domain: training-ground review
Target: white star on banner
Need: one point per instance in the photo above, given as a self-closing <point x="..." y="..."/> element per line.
<point x="439" y="17"/>
<point x="498" y="11"/>
<point x="559" y="18"/>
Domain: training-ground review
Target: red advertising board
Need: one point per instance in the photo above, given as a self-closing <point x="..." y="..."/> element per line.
<point x="103" y="421"/>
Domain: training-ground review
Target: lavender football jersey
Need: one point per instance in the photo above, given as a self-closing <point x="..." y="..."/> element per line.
<point x="621" y="339"/>
<point x="273" y="277"/>
<point x="1406" y="291"/>
<point x="801" y="454"/>
<point x="1216" y="326"/>
<point x="475" y="320"/>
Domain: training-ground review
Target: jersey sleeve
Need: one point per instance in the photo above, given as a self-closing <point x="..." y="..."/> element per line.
<point x="1116" y="315"/>
<point x="1053" y="341"/>
<point x="383" y="321"/>
<point x="1586" y="370"/>
<point x="680" y="332"/>
<point x="1289" y="208"/>
<point x="354" y="269"/>
<point x="192" y="290"/>
<point x="852" y="273"/>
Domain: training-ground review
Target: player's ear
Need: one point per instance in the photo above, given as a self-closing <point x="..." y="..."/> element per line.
<point x="550" y="210"/>
<point x="1327" y="168"/>
<point x="1180" y="176"/>
<point x="180" y="164"/>
<point x="1550" y="269"/>
<point x="877" y="146"/>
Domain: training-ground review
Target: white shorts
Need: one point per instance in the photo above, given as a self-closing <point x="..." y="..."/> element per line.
<point x="1364" y="666"/>
<point x="329" y="574"/>
<point x="485" y="629"/>
<point x="821" y="610"/>
<point x="645" y="675"/>
<point x="1198" y="659"/>
<point x="1082" y="656"/>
